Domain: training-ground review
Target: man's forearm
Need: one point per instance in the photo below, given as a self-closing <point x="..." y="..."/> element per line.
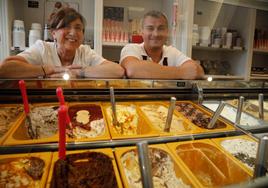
<point x="104" y="70"/>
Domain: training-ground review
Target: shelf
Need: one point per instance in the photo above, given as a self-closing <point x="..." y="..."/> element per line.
<point x="260" y="77"/>
<point x="209" y="48"/>
<point x="226" y="77"/>
<point x="258" y="4"/>
<point x="260" y="51"/>
<point x="114" y="44"/>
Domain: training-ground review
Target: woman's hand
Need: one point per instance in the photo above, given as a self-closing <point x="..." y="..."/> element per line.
<point x="74" y="71"/>
<point x="50" y="70"/>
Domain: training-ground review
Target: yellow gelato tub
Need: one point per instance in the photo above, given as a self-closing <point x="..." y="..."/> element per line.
<point x="19" y="134"/>
<point x="92" y="128"/>
<point x="7" y="127"/>
<point x="249" y="107"/>
<point x="208" y="164"/>
<point x="30" y="170"/>
<point x="131" y="122"/>
<point x="200" y="117"/>
<point x="156" y="114"/>
<point x="163" y="166"/>
<point x="242" y="149"/>
<point x="106" y="152"/>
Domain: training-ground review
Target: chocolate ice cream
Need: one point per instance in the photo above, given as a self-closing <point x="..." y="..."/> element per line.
<point x="89" y="169"/>
<point x="196" y="116"/>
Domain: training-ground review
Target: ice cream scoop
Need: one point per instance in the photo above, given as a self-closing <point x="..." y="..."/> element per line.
<point x="26" y="108"/>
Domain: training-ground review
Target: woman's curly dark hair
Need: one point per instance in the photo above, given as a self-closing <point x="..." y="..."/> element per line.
<point x="63" y="17"/>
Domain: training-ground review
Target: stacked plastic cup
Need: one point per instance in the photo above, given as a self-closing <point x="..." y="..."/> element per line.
<point x="18" y="34"/>
<point x="35" y="33"/>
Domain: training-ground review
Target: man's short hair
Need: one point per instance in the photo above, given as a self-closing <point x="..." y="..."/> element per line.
<point x="154" y="14"/>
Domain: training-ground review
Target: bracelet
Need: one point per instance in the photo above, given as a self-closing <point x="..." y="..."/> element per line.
<point x="44" y="71"/>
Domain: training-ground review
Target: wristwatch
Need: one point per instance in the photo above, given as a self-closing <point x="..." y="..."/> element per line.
<point x="82" y="73"/>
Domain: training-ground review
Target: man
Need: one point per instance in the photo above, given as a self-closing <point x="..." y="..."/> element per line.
<point x="152" y="59"/>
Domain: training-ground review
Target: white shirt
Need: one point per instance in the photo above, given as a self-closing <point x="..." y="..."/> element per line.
<point x="174" y="56"/>
<point x="46" y="53"/>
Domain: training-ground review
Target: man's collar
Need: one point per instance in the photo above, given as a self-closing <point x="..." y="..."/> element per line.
<point x="164" y="53"/>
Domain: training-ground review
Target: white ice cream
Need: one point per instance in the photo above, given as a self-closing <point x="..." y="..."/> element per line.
<point x="229" y="113"/>
<point x="162" y="170"/>
<point x="157" y="114"/>
<point x="127" y="118"/>
<point x="242" y="149"/>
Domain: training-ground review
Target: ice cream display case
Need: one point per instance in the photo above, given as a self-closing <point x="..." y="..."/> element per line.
<point x="143" y="111"/>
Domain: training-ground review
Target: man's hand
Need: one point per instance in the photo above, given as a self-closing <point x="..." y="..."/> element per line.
<point x="191" y="70"/>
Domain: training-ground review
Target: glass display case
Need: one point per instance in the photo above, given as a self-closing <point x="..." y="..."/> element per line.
<point x="200" y="133"/>
<point x="227" y="148"/>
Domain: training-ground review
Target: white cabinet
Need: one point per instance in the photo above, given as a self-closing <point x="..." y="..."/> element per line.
<point x="259" y="69"/>
<point x="219" y="59"/>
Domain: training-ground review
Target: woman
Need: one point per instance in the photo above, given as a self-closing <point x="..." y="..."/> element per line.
<point x="65" y="54"/>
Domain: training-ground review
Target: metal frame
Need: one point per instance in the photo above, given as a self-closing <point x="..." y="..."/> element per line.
<point x="4" y="31"/>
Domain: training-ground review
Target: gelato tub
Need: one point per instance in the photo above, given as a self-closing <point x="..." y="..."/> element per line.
<point x="131" y="123"/>
<point x="24" y="170"/>
<point x="87" y="122"/>
<point x="250" y="108"/>
<point x="256" y="103"/>
<point x="156" y="113"/>
<point x="210" y="165"/>
<point x="242" y="148"/>
<point x="9" y="116"/>
<point x="165" y="171"/>
<point x="93" y="168"/>
<point x="44" y="120"/>
<point x="199" y="116"/>
<point x="44" y="123"/>
<point x="229" y="113"/>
